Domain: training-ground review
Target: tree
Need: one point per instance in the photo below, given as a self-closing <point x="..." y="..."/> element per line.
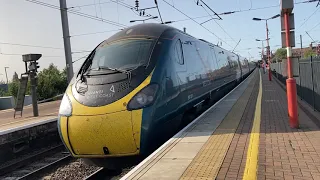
<point x="309" y="53"/>
<point x="2" y="93"/>
<point x="51" y="82"/>
<point x="280" y="54"/>
<point x="13" y="88"/>
<point x="3" y="89"/>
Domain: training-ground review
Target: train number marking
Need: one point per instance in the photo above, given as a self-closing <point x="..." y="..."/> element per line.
<point x="112" y="89"/>
<point x="103" y="95"/>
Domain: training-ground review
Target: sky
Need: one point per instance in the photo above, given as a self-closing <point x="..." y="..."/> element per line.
<point x="28" y="27"/>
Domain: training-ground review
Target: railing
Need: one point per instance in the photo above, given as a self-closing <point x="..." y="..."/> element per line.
<point x="307" y="75"/>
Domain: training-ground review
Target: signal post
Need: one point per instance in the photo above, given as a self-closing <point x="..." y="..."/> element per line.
<point x="33" y="69"/>
<point x="288" y="41"/>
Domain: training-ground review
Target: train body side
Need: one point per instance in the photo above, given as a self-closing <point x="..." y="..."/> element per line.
<point x="189" y="71"/>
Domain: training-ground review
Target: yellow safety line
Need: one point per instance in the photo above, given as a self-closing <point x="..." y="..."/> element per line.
<point x="250" y="172"/>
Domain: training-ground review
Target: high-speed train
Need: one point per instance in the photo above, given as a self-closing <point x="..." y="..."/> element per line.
<point x="136" y="86"/>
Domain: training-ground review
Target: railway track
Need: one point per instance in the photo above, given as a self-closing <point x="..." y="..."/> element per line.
<point x="106" y="174"/>
<point x="36" y="165"/>
<point x="99" y="174"/>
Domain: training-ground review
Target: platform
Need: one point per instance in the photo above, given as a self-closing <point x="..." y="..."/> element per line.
<point x="246" y="135"/>
<point x="47" y="113"/>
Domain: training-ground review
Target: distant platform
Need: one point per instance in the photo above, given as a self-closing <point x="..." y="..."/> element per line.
<point x="48" y="112"/>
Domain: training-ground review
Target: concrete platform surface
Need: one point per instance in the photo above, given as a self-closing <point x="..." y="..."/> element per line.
<point x="47" y="112"/>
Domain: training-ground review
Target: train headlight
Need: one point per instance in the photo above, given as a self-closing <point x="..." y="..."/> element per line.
<point x="144" y="98"/>
<point x="65" y="106"/>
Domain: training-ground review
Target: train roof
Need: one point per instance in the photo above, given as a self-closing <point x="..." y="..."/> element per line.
<point x="150" y="30"/>
<point x="145" y="29"/>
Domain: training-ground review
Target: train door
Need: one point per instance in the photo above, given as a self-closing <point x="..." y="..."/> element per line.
<point x="179" y="63"/>
<point x="174" y="84"/>
<point x="239" y="76"/>
<point x="175" y="78"/>
<point x="172" y="72"/>
<point x="194" y="68"/>
<point x="233" y="66"/>
<point x="222" y="63"/>
<point x="215" y="67"/>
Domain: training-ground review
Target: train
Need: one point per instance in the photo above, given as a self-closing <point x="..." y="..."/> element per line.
<point x="135" y="88"/>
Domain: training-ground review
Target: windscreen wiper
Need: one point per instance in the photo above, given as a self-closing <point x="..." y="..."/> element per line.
<point x="117" y="70"/>
<point x="104" y="68"/>
<point x="86" y="65"/>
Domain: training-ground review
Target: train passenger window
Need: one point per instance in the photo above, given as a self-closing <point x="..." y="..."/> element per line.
<point x="178" y="52"/>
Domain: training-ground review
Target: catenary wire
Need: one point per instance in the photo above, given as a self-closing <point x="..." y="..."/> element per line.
<point x="196" y="22"/>
<point x="78" y="13"/>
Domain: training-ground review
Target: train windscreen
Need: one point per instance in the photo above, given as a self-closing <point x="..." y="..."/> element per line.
<point x="125" y="54"/>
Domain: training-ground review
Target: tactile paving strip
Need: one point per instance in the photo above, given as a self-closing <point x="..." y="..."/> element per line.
<point x="208" y="161"/>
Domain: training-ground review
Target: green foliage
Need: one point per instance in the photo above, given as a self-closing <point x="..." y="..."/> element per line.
<point x="4" y="93"/>
<point x="281" y="54"/>
<point x="309" y="53"/>
<point x="51" y="82"/>
<point x="13" y="88"/>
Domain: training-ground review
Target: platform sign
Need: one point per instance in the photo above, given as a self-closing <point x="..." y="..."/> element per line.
<point x="286" y="6"/>
<point x="21" y="94"/>
<point x="292" y="39"/>
<point x="291" y="22"/>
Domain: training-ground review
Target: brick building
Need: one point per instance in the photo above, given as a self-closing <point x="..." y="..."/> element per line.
<point x="296" y="51"/>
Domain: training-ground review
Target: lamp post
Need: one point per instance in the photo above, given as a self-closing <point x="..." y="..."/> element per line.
<point x="287" y="28"/>
<point x="154" y="17"/>
<point x="5" y="69"/>
<point x="268" y="46"/>
<point x="262" y="48"/>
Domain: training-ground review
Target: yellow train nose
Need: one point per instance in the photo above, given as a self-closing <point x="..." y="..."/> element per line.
<point x="100" y="135"/>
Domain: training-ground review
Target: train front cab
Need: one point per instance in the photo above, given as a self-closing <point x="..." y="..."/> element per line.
<point x="111" y="129"/>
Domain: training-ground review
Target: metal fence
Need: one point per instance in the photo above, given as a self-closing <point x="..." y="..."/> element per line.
<point x="307" y="75"/>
